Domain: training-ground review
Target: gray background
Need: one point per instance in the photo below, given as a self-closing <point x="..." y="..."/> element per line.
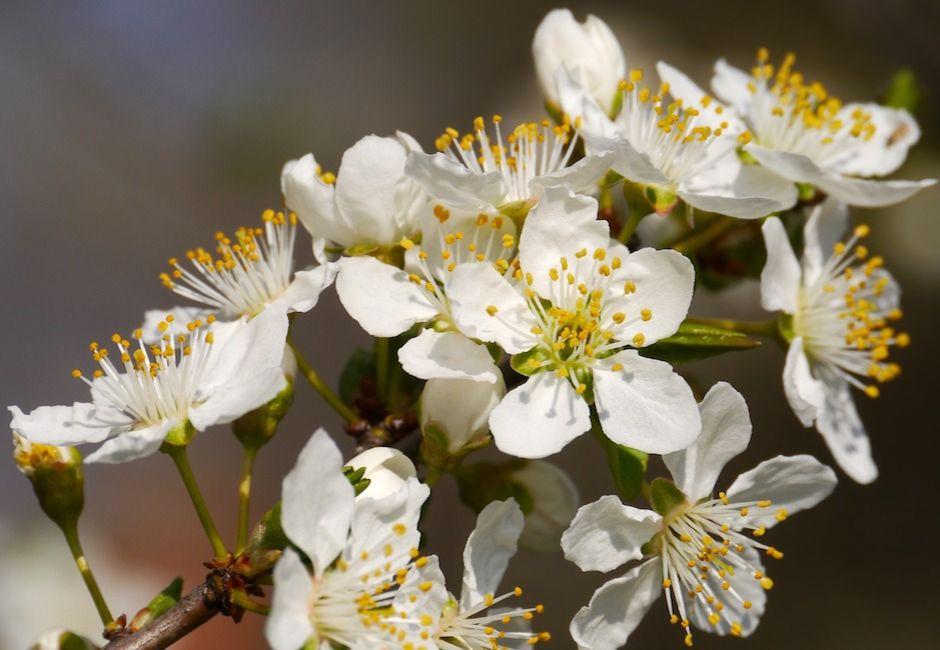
<point x="131" y="131"/>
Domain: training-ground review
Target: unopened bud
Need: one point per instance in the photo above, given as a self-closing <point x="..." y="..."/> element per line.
<point x="56" y="475"/>
<point x="379" y="472"/>
<point x="455" y="415"/>
<point x="62" y="640"/>
<point x="256" y="428"/>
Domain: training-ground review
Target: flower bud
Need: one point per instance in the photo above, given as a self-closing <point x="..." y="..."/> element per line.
<point x="589" y="50"/>
<point x="555" y="501"/>
<point x="62" y="640"/>
<point x="384" y="470"/>
<point x="256" y="428"/>
<point x="56" y="475"/>
<point x="457" y="412"/>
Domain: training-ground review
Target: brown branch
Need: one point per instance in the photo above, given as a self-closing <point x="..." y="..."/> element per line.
<point x="194" y="609"/>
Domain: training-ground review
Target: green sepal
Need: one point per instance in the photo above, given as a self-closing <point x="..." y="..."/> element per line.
<point x="665" y="496"/>
<point x="627" y="467"/>
<point x="903" y="91"/>
<point x="357" y="478"/>
<point x="480" y="484"/>
<point x="159" y="605"/>
<point x="529" y="363"/>
<point x="180" y="435"/>
<point x="785" y="326"/>
<point x="662" y="200"/>
<point x="693" y="341"/>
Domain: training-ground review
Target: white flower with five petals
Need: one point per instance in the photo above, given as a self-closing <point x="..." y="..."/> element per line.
<point x="360" y="550"/>
<point x="675" y="150"/>
<point x="574" y="301"/>
<point x="800" y="132"/>
<point x="213" y="374"/>
<point x="698" y="551"/>
<point x="841" y="305"/>
<point x="589" y="49"/>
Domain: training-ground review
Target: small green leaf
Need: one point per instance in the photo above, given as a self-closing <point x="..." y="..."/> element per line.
<point x="627" y="467"/>
<point x="163" y="601"/>
<point x="529" y="363"/>
<point x="903" y="91"/>
<point x="266" y="542"/>
<point x="665" y="496"/>
<point x="360" y="364"/>
<point x="694" y="341"/>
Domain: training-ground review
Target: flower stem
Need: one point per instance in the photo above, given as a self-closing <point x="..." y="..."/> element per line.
<point x="181" y="460"/>
<point x="243" y="600"/>
<point x="629" y="226"/>
<point x="70" y="530"/>
<point x="768" y="328"/>
<point x="320" y="386"/>
<point x="244" y="497"/>
<point x="381" y="367"/>
<point x="706" y="235"/>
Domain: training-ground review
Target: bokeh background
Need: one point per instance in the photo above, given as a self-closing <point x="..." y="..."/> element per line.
<point x="131" y="131"/>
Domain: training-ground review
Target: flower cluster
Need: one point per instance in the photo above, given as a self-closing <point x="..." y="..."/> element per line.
<point x="523" y="310"/>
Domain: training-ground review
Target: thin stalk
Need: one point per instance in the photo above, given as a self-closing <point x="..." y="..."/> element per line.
<point x="706" y="235"/>
<point x="181" y="460"/>
<point x="768" y="328"/>
<point x="629" y="226"/>
<point x="320" y="386"/>
<point x="75" y="546"/>
<point x="244" y="497"/>
<point x="243" y="600"/>
<point x="381" y="367"/>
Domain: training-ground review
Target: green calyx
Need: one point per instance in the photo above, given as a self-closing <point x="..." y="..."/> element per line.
<point x="180" y="435"/>
<point x="661" y="199"/>
<point x="665" y="497"/>
<point x="786" y="327"/>
<point x="806" y="191"/>
<point x="60" y="489"/>
<point x="256" y="428"/>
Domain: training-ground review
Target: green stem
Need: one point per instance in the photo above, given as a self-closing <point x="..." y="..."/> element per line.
<point x="243" y="600"/>
<point x="320" y="386"/>
<point x="244" y="497"/>
<point x="768" y="328"/>
<point x="181" y="460"/>
<point x="629" y="226"/>
<point x="706" y="235"/>
<point x="381" y="367"/>
<point x="70" y="531"/>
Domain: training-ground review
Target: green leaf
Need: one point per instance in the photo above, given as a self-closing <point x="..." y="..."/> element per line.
<point x="665" y="496"/>
<point x="158" y="606"/>
<point x="360" y="364"/>
<point x="903" y="91"/>
<point x="694" y="341"/>
<point x="627" y="467"/>
<point x="266" y="542"/>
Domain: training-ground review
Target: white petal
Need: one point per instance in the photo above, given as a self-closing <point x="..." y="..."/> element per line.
<point x="844" y="433"/>
<point x="312" y="200"/>
<point x="627" y="161"/>
<point x="380" y="297"/>
<point x="645" y="404"/>
<point x="742" y="207"/>
<point x="77" y="424"/>
<point x="781" y="276"/>
<point x="230" y="401"/>
<point x="617" y="608"/>
<point x="581" y="177"/>
<point x="131" y="445"/>
<point x="304" y="291"/>
<point x="576" y="101"/>
<point x="826" y="225"/>
<point x="540" y="417"/>
<point x="731" y="85"/>
<point x="489" y="548"/>
<point x="854" y="191"/>
<point x="475" y="287"/>
<point x="726" y="431"/>
<point x="452" y="183"/>
<point x="317" y="502"/>
<point x="245" y="349"/>
<point x="447" y="355"/>
<point x="562" y="224"/>
<point x="369" y="183"/>
<point x="606" y="534"/>
<point x="386" y="469"/>
<point x="374" y="526"/>
<point x="288" y="626"/>
<point x="793" y="483"/>
<point x="460" y="408"/>
<point x="896" y="131"/>
<point x="805" y="393"/>
<point x="413" y="600"/>
<point x="663" y="282"/>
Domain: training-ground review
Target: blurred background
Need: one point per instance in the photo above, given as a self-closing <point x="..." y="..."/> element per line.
<point x="131" y="131"/>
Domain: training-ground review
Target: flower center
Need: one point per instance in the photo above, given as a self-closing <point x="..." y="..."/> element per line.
<point x="531" y="150"/>
<point x="844" y="316"/>
<point x="790" y="114"/>
<point x="159" y="381"/>
<point x="706" y="554"/>
<point x="680" y="141"/>
<point x="246" y="272"/>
